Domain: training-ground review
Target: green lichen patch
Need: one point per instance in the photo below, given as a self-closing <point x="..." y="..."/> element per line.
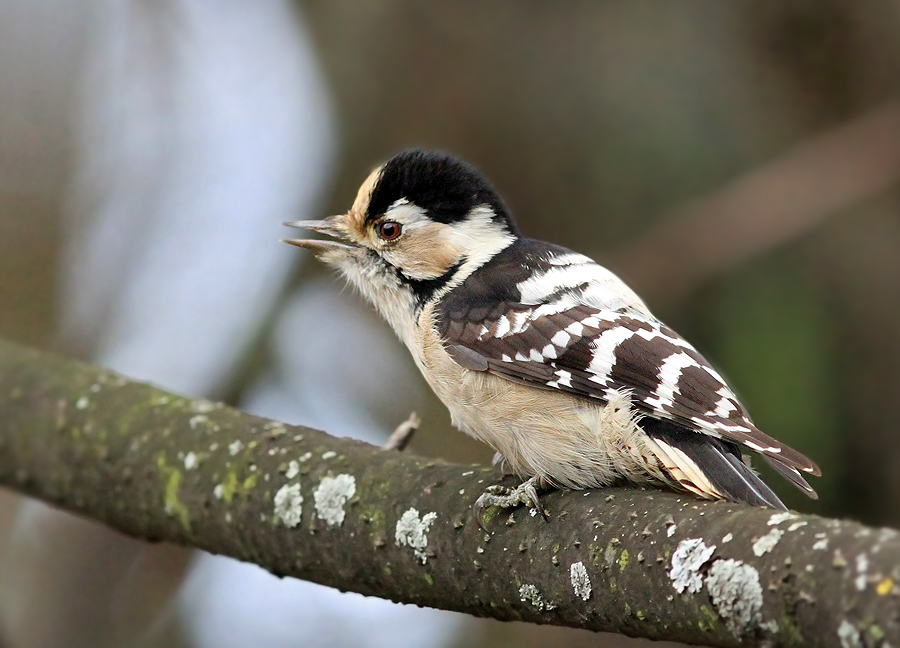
<point x="596" y="554"/>
<point x="173" y="505"/>
<point x="228" y="488"/>
<point x="708" y="619"/>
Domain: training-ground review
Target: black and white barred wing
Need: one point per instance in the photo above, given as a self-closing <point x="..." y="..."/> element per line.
<point x="592" y="353"/>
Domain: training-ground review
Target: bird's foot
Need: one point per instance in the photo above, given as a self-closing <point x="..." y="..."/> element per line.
<point x="497" y="495"/>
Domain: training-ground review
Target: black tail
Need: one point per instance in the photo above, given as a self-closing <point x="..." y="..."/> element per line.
<point x="699" y="461"/>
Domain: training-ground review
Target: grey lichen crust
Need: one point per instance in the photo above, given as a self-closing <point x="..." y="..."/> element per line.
<point x="529" y="593"/>
<point x="736" y="594"/>
<point x="687" y="561"/>
<point x="289" y="505"/>
<point x="332" y="495"/>
<point x="767" y="542"/>
<point x="581" y="581"/>
<point x="412" y="531"/>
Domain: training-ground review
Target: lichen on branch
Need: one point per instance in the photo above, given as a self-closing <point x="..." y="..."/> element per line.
<point x="301" y="503"/>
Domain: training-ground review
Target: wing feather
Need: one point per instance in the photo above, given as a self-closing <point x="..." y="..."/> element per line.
<point x="587" y="352"/>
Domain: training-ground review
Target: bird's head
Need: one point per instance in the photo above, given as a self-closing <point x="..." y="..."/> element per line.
<point x="420" y="224"/>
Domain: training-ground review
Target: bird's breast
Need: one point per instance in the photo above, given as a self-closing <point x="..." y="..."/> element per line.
<point x="566" y="440"/>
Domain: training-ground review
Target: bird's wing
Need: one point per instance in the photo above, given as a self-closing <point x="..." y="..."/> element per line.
<point x="591" y="353"/>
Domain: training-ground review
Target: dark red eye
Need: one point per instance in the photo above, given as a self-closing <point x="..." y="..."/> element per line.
<point x="389" y="230"/>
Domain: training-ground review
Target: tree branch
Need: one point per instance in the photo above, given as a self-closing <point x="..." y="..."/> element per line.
<point x="342" y="513"/>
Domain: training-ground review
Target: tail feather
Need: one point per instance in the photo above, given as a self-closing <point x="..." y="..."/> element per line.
<point x="791" y="474"/>
<point x="707" y="466"/>
<point x="683" y="470"/>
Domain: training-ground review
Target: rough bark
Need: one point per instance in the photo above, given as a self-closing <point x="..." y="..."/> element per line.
<point x="301" y="503"/>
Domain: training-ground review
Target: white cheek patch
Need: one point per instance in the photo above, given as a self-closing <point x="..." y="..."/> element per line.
<point x="479" y="236"/>
<point x="413" y="221"/>
<point x="477" y="239"/>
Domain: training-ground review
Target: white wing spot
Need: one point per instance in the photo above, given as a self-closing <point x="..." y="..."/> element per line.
<point x="718" y="425"/>
<point x="575" y="329"/>
<point x="669" y="373"/>
<point x="604" y="352"/>
<point x="760" y="448"/>
<point x="519" y="322"/>
<point x="652" y="334"/>
<point x="712" y="372"/>
<point x="570" y="258"/>
<point x="537" y="288"/>
<point x="502" y="327"/>
<point x="550" y="309"/>
<point x="724" y="408"/>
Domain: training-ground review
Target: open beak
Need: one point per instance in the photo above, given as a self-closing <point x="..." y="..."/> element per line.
<point x="319" y="246"/>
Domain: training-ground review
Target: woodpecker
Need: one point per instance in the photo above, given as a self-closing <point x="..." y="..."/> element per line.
<point x="538" y="351"/>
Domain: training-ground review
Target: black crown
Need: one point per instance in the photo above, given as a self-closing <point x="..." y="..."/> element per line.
<point x="446" y="187"/>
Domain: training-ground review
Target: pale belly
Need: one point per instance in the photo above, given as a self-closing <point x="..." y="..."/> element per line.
<point x="565" y="440"/>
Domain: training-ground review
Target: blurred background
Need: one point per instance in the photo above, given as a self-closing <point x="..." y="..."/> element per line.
<point x="737" y="163"/>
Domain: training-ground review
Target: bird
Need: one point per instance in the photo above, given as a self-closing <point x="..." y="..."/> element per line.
<point x="538" y="351"/>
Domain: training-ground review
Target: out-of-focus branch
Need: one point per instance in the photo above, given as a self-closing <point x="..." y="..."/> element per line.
<point x="342" y="513"/>
<point x="766" y="207"/>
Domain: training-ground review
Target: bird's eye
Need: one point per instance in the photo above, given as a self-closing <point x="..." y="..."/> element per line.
<point x="389" y="230"/>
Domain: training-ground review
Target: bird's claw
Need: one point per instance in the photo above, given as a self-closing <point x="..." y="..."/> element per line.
<point x="505" y="497"/>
